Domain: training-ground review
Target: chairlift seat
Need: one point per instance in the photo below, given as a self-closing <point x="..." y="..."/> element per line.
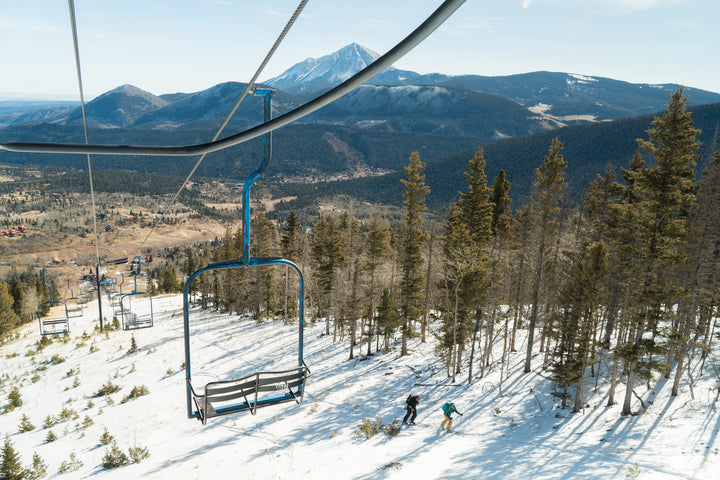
<point x="132" y="320"/>
<point x="51" y="326"/>
<point x="258" y="390"/>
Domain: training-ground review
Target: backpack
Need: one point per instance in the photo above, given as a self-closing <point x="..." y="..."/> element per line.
<point x="410" y="397"/>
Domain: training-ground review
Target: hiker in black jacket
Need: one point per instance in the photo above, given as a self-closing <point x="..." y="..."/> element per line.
<point x="411" y="408"/>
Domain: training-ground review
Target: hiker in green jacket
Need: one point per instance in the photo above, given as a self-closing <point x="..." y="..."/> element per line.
<point x="448" y="410"/>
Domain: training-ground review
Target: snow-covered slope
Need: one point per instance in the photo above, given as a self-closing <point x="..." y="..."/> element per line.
<point x="510" y="429"/>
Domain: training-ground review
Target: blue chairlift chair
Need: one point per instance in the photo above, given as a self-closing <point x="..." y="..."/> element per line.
<point x="260" y="389"/>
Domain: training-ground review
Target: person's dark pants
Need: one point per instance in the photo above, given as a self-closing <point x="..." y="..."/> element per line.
<point x="410" y="411"/>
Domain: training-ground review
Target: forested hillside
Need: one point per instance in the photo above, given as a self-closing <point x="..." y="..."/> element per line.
<point x="589" y="149"/>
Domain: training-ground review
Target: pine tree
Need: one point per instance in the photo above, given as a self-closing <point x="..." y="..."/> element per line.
<point x="329" y="255"/>
<point x="17" y="292"/>
<point x="461" y="282"/>
<point x="549" y="186"/>
<point x="468" y="232"/>
<point x="351" y="306"/>
<point x="39" y="468"/>
<point x="388" y="318"/>
<point x="8" y="319"/>
<point x="25" y="424"/>
<point x="411" y="286"/>
<point x="666" y="192"/>
<point x="264" y="244"/>
<point x="10" y="466"/>
<point x="168" y="281"/>
<point x="704" y="270"/>
<point x="14" y="399"/>
<point x="377" y="248"/>
<point x="291" y="246"/>
<point x="581" y="297"/>
<point x="501" y="213"/>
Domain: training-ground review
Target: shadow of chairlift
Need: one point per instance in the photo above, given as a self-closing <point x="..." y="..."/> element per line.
<point x="259" y="389"/>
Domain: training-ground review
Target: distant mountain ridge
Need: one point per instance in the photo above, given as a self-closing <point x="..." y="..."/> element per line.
<point x="371" y="130"/>
<point x="395" y="100"/>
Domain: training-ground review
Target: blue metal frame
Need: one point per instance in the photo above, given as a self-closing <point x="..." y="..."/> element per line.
<point x="63" y="323"/>
<point x="244" y="262"/>
<point x="130" y="320"/>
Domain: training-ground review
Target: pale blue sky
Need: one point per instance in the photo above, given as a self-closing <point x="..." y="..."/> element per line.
<point x="166" y="46"/>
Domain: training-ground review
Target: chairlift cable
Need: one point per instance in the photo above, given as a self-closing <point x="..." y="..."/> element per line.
<point x="247" y="89"/>
<point x="398" y="51"/>
<point x="71" y="7"/>
<point x="33" y="263"/>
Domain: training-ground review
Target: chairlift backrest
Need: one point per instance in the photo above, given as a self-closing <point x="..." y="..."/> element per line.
<point x="53" y="324"/>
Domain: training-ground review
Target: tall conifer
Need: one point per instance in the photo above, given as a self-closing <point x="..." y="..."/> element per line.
<point x="413" y="236"/>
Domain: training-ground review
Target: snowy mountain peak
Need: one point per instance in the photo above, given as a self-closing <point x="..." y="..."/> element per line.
<point x="325" y="72"/>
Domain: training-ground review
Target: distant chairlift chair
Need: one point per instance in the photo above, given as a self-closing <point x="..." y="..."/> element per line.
<point x="57" y="323"/>
<point x="132" y="320"/>
<point x="116" y="297"/>
<point x="259" y="389"/>
<point x="75" y="305"/>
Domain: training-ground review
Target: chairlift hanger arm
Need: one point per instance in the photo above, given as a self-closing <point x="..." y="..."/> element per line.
<point x="411" y="41"/>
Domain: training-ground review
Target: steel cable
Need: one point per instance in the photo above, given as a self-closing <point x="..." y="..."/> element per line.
<point x="71" y="6"/>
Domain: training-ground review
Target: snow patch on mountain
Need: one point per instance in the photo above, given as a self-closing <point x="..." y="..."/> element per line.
<point x="575" y="78"/>
<point x="540" y="108"/>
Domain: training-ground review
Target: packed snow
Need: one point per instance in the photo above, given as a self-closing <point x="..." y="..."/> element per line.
<point x="514" y="429"/>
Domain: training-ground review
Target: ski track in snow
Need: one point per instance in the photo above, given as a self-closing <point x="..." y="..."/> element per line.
<point x="513" y="430"/>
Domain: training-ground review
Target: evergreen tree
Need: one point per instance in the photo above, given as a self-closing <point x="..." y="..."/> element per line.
<point x="704" y="268"/>
<point x="388" y="317"/>
<point x="548" y="189"/>
<point x="460" y="272"/>
<point x="501" y="213"/>
<point x="329" y="255"/>
<point x="25" y="424"/>
<point x="582" y="298"/>
<point x="666" y="192"/>
<point x="168" y="281"/>
<point x="413" y="236"/>
<point x="8" y="318"/>
<point x="10" y="466"/>
<point x="377" y="248"/>
<point x="351" y="304"/>
<point x="16" y="290"/>
<point x="39" y="468"/>
<point x="291" y="246"/>
<point x="264" y="244"/>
